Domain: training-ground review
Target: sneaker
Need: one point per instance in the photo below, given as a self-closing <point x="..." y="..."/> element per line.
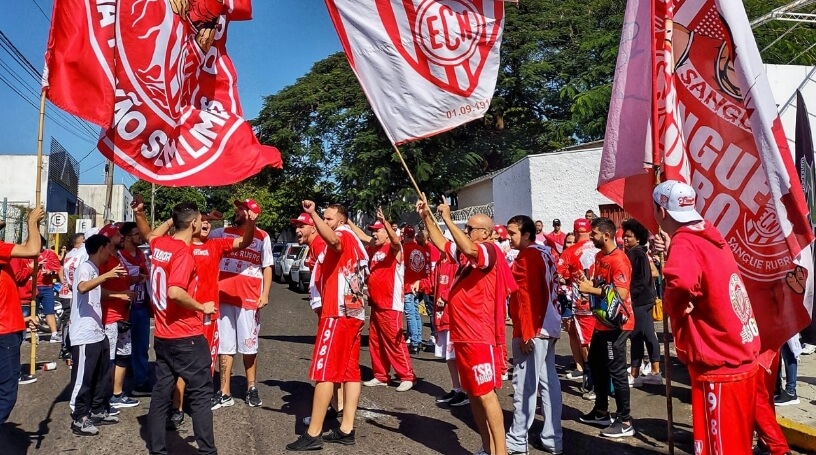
<point x="785" y="399"/>
<point x="252" y="398"/>
<point x="461" y="399"/>
<point x="536" y="443"/>
<point x="336" y="436"/>
<point x="808" y="349"/>
<point x="375" y="383"/>
<point x="446" y="398"/>
<point x="575" y="374"/>
<point x="123" y="401"/>
<point x="55" y="338"/>
<point x="481" y="451"/>
<point x="595" y="417"/>
<point x="589" y="396"/>
<point x="103" y="418"/>
<point x="413" y="349"/>
<point x="506" y="376"/>
<point x="645" y="368"/>
<point x="306" y="442"/>
<point x="84" y="428"/>
<point x="26" y="378"/>
<point x="653" y="379"/>
<point x="405" y="386"/>
<point x="428" y="343"/>
<point x="631" y="379"/>
<point x="221" y="401"/>
<point x="586" y="384"/>
<point x="174" y="420"/>
<point x="619" y="429"/>
<point x="516" y="452"/>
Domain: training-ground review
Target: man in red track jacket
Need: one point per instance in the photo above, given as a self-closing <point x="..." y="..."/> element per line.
<point x="712" y="321"/>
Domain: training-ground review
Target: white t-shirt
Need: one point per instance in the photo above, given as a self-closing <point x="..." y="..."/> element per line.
<point x="86" y="309"/>
<point x="69" y="265"/>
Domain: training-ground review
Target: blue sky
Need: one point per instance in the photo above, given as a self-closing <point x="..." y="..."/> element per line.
<point x="270" y="52"/>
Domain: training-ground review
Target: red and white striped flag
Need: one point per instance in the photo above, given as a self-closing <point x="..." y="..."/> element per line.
<point x="426" y="66"/>
<point x="709" y="119"/>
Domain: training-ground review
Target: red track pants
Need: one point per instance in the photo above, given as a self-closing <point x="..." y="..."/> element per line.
<point x="387" y="346"/>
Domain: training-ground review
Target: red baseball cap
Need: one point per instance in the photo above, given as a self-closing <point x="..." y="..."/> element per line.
<point x="408" y="230"/>
<point x="376" y="226"/>
<point x="501" y="231"/>
<point x="582" y="225"/>
<point x="110" y="230"/>
<point x="304" y="219"/>
<point x="250" y="205"/>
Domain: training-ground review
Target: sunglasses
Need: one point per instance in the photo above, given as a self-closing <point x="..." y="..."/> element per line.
<point x="469" y="229"/>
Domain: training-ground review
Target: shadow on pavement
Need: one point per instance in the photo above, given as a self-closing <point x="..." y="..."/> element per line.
<point x="296" y="398"/>
<point x="417" y="428"/>
<point x="14" y="439"/>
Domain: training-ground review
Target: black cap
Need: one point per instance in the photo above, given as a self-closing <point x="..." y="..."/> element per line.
<point x="556" y="222"/>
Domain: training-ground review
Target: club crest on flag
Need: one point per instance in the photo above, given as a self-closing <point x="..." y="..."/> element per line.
<point x="448" y="42"/>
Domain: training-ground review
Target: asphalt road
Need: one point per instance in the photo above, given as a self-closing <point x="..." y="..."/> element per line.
<point x="387" y="421"/>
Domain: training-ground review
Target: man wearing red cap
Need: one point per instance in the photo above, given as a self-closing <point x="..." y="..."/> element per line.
<point x="577" y="261"/>
<point x="245" y="280"/>
<point x="417" y="268"/>
<point x="12" y="324"/>
<point x="386" y="341"/>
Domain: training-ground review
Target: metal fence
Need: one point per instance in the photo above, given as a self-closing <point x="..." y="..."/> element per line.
<point x="15" y="215"/>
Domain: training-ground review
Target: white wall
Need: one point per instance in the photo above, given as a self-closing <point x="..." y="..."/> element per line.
<point x="94" y="196"/>
<point x="511" y="191"/>
<point x="480" y="193"/>
<point x="18" y="174"/>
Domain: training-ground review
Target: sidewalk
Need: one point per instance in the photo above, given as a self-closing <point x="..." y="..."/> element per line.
<point x="799" y="421"/>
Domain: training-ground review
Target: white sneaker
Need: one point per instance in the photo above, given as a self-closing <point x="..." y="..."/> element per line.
<point x="375" y="383"/>
<point x="808" y="349"/>
<point x="405" y="386"/>
<point x="506" y="377"/>
<point x="631" y="379"/>
<point x="481" y="451"/>
<point x="645" y="368"/>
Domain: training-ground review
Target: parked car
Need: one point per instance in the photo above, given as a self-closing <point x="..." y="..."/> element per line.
<point x="305" y="276"/>
<point x="277" y="249"/>
<point x="297" y="266"/>
<point x="284" y="264"/>
<point x="277" y="270"/>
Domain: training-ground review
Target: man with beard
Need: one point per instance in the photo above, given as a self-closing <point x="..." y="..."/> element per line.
<point x="611" y="275"/>
<point x="386" y="341"/>
<point x="477" y="305"/>
<point x="135" y="261"/>
<point x="336" y="355"/>
<point x="245" y="280"/>
<point x="116" y="299"/>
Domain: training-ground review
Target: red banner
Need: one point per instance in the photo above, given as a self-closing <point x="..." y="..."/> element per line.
<point x="714" y="125"/>
<point x="174" y="116"/>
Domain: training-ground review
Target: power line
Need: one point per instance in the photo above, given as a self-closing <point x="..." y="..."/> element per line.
<point x="41" y="10"/>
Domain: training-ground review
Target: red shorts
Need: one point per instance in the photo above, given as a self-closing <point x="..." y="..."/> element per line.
<point x="479" y="366"/>
<point x="336" y="355"/>
<point x="585" y="327"/>
<point x="211" y="334"/>
<point x="722" y="415"/>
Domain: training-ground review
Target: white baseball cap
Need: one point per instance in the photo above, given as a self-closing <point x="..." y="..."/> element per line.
<point x="678" y="199"/>
<point x="90" y="232"/>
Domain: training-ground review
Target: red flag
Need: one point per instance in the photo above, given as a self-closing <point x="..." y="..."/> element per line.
<point x="78" y="72"/>
<point x="714" y="125"/>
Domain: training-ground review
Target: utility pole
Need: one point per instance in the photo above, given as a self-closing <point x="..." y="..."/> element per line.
<point x="108" y="191"/>
<point x="152" y="205"/>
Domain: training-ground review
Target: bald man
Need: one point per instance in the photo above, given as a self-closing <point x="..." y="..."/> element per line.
<point x="476" y="302"/>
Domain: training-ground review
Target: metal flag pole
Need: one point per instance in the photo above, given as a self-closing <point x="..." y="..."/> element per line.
<point x="37" y="203"/>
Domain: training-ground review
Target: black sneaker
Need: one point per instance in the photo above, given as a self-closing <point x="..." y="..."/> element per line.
<point x="103" y="418"/>
<point x="446" y="398"/>
<point x="252" y="397"/>
<point x="174" y="420"/>
<point x="84" y="428"/>
<point x="461" y="399"/>
<point x="596" y="417"/>
<point x="336" y="436"/>
<point x="785" y="399"/>
<point x="27" y="379"/>
<point x="413" y="349"/>
<point x="306" y="442"/>
<point x="586" y="384"/>
<point x="619" y="429"/>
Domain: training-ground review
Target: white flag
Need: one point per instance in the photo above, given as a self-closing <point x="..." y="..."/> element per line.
<point x="426" y="66"/>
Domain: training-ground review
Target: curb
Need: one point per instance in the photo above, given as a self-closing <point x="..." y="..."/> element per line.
<point x="798" y="435"/>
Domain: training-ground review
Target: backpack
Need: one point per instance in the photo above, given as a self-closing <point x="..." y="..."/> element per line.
<point x="609" y="308"/>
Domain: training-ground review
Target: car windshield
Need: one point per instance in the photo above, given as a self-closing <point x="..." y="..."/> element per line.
<point x="277" y="248"/>
<point x="293" y="252"/>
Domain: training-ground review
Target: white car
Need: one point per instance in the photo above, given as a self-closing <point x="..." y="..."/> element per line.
<point x="296" y="272"/>
<point x="284" y="264"/>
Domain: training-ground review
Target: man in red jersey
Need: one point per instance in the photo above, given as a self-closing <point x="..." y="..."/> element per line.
<point x="49" y="266"/>
<point x="477" y="308"/>
<point x="179" y="343"/>
<point x="12" y="324"/>
<point x="557" y="236"/>
<point x="244" y="283"/>
<point x="336" y="355"/>
<point x="576" y="261"/>
<point x="417" y="268"/>
<point x="117" y="297"/>
<point x="135" y="260"/>
<point x="612" y="273"/>
<point x="386" y="341"/>
<point x="713" y="324"/>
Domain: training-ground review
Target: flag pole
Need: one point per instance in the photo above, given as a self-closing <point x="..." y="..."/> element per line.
<point x="37" y="203"/>
<point x="410" y="175"/>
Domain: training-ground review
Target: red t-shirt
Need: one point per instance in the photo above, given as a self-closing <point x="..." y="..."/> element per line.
<point x="49" y="265"/>
<point x="385" y="282"/>
<point x="22" y="276"/>
<point x="11" y="316"/>
<point x="576" y="260"/>
<point x="173" y="265"/>
<point x="615" y="268"/>
<point x="113" y="309"/>
<point x="316" y="248"/>
<point x="557" y="240"/>
<point x="338" y="278"/>
<point x="472" y="297"/>
<point x="208" y="257"/>
<point x="241" y="277"/>
<point x="433" y="254"/>
<point x="445" y="273"/>
<point x="417" y="264"/>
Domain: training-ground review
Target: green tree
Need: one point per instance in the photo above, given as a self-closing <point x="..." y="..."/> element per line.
<point x="166" y="198"/>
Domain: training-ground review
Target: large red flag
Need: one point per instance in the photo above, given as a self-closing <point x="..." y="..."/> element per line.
<point x="712" y="122"/>
<point x="175" y="118"/>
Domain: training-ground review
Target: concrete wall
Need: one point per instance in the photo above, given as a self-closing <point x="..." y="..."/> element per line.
<point x="511" y="191"/>
<point x="480" y="193"/>
<point x="18" y="174"/>
<point x="94" y="196"/>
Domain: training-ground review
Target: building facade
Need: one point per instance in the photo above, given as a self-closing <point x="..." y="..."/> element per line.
<point x="94" y="196"/>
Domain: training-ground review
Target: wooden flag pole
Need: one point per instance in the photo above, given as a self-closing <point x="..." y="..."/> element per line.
<point x="410" y="175"/>
<point x="37" y="203"/>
